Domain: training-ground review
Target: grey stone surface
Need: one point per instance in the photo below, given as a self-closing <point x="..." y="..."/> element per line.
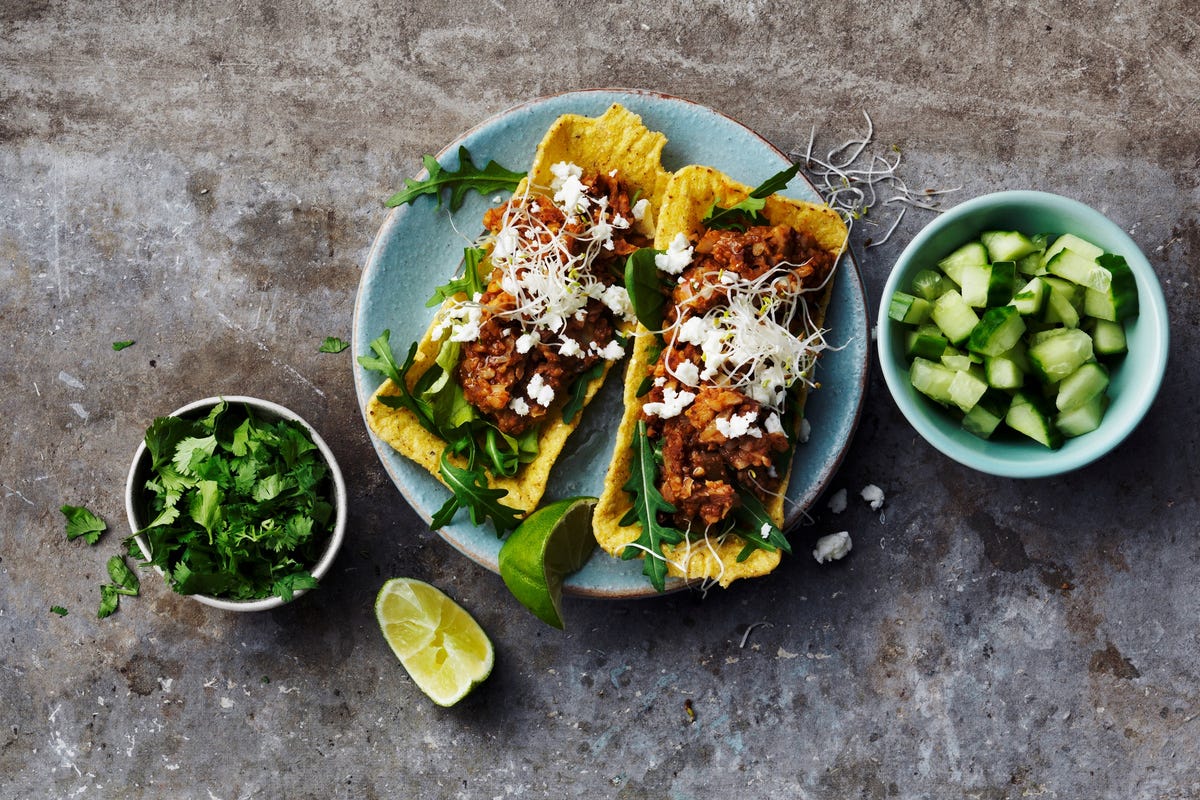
<point x="206" y="178"/>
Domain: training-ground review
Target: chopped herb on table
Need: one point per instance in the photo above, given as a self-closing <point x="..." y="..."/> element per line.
<point x="82" y="522"/>
<point x="332" y="344"/>
<point x="122" y="345"/>
<point x="238" y="506"/>
<point x="62" y="612"/>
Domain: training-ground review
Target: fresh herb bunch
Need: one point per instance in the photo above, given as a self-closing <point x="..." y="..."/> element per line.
<point x="239" y="506"/>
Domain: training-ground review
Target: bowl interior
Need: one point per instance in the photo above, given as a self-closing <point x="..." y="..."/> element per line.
<point x="1134" y="379"/>
<point x="139" y="472"/>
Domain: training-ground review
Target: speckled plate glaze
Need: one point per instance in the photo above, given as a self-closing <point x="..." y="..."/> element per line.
<point x="418" y="248"/>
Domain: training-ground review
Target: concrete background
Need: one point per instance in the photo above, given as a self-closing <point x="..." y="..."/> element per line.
<point x="206" y="178"/>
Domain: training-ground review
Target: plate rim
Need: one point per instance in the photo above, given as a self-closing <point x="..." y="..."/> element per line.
<point x="859" y="324"/>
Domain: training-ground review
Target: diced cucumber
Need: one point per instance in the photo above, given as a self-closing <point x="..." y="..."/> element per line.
<point x="1028" y="415"/>
<point x="971" y="254"/>
<point x="925" y="345"/>
<point x="1085" y="383"/>
<point x="956" y="359"/>
<point x="1070" y="240"/>
<point x="983" y="419"/>
<point x="929" y="284"/>
<point x="997" y="331"/>
<point x="1079" y="269"/>
<point x="974" y="280"/>
<point x="966" y="389"/>
<point x="909" y="309"/>
<point x="1002" y="283"/>
<point x="1059" y="356"/>
<point x="1108" y="337"/>
<point x="1120" y="301"/>
<point x="954" y="317"/>
<point x="1037" y="337"/>
<point x="1031" y="300"/>
<point x="1007" y="245"/>
<point x="1084" y="419"/>
<point x="1060" y="303"/>
<point x="932" y="380"/>
<point x="1002" y="372"/>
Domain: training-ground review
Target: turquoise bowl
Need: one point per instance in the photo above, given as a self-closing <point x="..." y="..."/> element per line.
<point x="1134" y="380"/>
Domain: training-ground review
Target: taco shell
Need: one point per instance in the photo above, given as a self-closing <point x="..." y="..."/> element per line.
<point x="689" y="195"/>
<point x="616" y="140"/>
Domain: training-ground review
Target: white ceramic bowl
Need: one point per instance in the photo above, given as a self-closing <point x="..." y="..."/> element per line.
<point x="139" y="469"/>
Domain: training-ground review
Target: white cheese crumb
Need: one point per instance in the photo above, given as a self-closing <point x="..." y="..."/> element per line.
<point x="765" y="530"/>
<point x="873" y="495"/>
<point x="773" y="425"/>
<point x="639" y="209"/>
<point x="569" y="348"/>
<point x="833" y="547"/>
<point x="837" y="501"/>
<point x="612" y="351"/>
<point x="738" y="425"/>
<point x="805" y="430"/>
<point x="617" y="300"/>
<point x="678" y="255"/>
<point x="672" y="405"/>
<point x="519" y="405"/>
<point x="693" y="330"/>
<point x="526" y="341"/>
<point x="538" y="391"/>
<point x="687" y="372"/>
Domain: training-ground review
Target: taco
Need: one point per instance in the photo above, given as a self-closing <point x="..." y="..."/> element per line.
<point x="714" y="400"/>
<point x="525" y="337"/>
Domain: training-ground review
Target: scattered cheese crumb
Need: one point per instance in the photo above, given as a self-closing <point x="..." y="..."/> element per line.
<point x="526" y="341"/>
<point x="765" y="530"/>
<point x="773" y="425"/>
<point x="833" y="547"/>
<point x="569" y="348"/>
<point x="873" y="495"/>
<point x="672" y="405"/>
<point x="678" y="255"/>
<point x="613" y="351"/>
<point x="837" y="502"/>
<point x="687" y="372"/>
<point x="519" y="405"/>
<point x="639" y="209"/>
<point x="539" y="391"/>
<point x="738" y="425"/>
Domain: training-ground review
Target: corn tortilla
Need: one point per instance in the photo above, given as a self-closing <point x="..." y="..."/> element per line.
<point x="689" y="195"/>
<point x="616" y="140"/>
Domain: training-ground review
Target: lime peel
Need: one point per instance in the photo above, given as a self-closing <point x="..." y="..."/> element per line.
<point x="550" y="544"/>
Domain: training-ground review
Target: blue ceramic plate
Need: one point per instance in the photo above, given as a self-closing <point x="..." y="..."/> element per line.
<point x="420" y="246"/>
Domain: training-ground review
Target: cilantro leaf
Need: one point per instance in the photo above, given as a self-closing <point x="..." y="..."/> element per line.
<point x="647" y="291"/>
<point x="118" y="346"/>
<point x="648" y="503"/>
<point x="470" y="491"/>
<point x="109" y="599"/>
<point x="332" y="344"/>
<point x="82" y="522"/>
<point x="62" y="612"/>
<point x="125" y="580"/>
<point x="492" y="178"/>
<point x="285" y="587"/>
<point x="749" y="211"/>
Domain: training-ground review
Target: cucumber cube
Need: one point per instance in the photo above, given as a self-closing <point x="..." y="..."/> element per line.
<point x="925" y="345"/>
<point x="1084" y="419"/>
<point x="908" y="309"/>
<point x="929" y="284"/>
<point x="998" y="330"/>
<point x="1007" y="245"/>
<point x="955" y="318"/>
<point x="1028" y="415"/>
<point x="1073" y="242"/>
<point x="1080" y="270"/>
<point x="986" y="416"/>
<point x="975" y="279"/>
<point x="966" y="388"/>
<point x="1003" y="372"/>
<point x="1081" y="386"/>
<point x="932" y="380"/>
<point x="1002" y="283"/>
<point x="1058" y="356"/>
<point x="972" y="254"/>
<point x="1108" y="338"/>
<point x="1031" y="300"/>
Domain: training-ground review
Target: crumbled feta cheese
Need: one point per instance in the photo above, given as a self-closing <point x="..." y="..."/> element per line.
<point x="508" y="243"/>
<point x="526" y="341"/>
<point x="563" y="171"/>
<point x="613" y="351"/>
<point x="519" y="405"/>
<point x="693" y="330"/>
<point x="765" y="530"/>
<point x="687" y="372"/>
<point x="873" y="495"/>
<point x="538" y="390"/>
<point x="639" y="209"/>
<point x="571" y="195"/>
<point x="678" y="255"/>
<point x="672" y="405"/>
<point x="772" y="424"/>
<point x="837" y="501"/>
<point x="569" y="347"/>
<point x="805" y="430"/>
<point x="833" y="547"/>
<point x="738" y="425"/>
<point x="660" y="380"/>
<point x="617" y="300"/>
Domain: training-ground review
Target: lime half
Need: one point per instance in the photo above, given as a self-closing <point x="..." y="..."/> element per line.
<point x="549" y="545"/>
<point x="443" y="648"/>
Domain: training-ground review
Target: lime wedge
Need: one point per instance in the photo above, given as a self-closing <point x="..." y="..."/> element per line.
<point x="549" y="545"/>
<point x="443" y="648"/>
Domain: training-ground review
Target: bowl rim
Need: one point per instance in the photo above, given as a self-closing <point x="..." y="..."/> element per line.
<point x="336" y="536"/>
<point x="1085" y="450"/>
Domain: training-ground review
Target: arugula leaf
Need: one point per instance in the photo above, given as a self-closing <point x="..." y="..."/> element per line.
<point x="109" y="599"/>
<point x="384" y="361"/>
<point x="492" y="178"/>
<point x="82" y="522"/>
<point x="470" y="491"/>
<point x="62" y="612"/>
<point x="332" y="344"/>
<point x="118" y="346"/>
<point x="754" y="517"/>
<point x="645" y="286"/>
<point x="648" y="503"/>
<point x="749" y="211"/>
<point x="579" y="390"/>
<point x="469" y="283"/>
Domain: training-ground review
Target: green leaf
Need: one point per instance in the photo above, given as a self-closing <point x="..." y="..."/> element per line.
<point x="384" y="361"/>
<point x="109" y="599"/>
<point x="62" y="612"/>
<point x="285" y="587"/>
<point x="648" y="503"/>
<point x="492" y="178"/>
<point x="754" y="519"/>
<point x="470" y="491"/>
<point x="82" y="522"/>
<point x="748" y="212"/>
<point x="126" y="580"/>
<point x="205" y="506"/>
<point x="579" y="390"/>
<point x="645" y="286"/>
<point x="332" y="344"/>
<point x="118" y="346"/>
<point x="469" y="283"/>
